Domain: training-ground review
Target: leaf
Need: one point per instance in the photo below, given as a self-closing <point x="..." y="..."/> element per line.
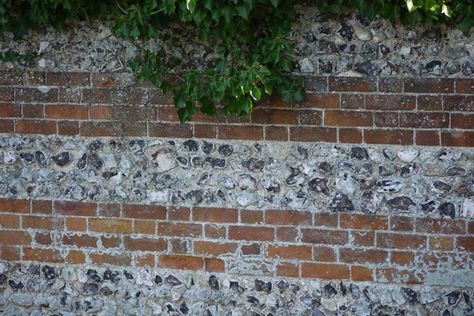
<point x="191" y="5"/>
<point x="255" y="93"/>
<point x="275" y="3"/>
<point x="243" y="11"/>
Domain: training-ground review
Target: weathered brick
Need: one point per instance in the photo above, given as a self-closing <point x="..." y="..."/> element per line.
<point x="459" y="103"/>
<point x="352" y="101"/>
<point x="220" y="215"/>
<point x="251" y="249"/>
<point x="102" y="79"/>
<point x="427" y="138"/>
<point x="386" y="119"/>
<point x="401" y="223"/>
<point x="75" y="257"/>
<point x="327" y="237"/>
<point x="430" y="103"/>
<point x="424" y="120"/>
<point x="97" y="95"/>
<point x="428" y="85"/>
<point x="274" y="217"/>
<point x="42" y="222"/>
<point x="441" y="243"/>
<point x="251" y="233"/>
<point x="320" y="101"/>
<point x="9" y="221"/>
<point x="348" y="118"/>
<point x="35" y="127"/>
<point x="286" y="233"/>
<point x="274" y="116"/>
<point x="402" y="258"/>
<point x="388" y="84"/>
<point x="350" y="135"/>
<point x="313" y="134"/>
<point x="316" y="83"/>
<point x="178" y="213"/>
<point x="394" y="136"/>
<point x="70" y="94"/>
<point x="350" y="255"/>
<point x="359" y="273"/>
<point x="392" y="275"/>
<point x="251" y="217"/>
<point x="363" y="238"/>
<point x="325" y="271"/>
<point x="390" y="102"/>
<point x="48" y="95"/>
<point x="352" y="84"/>
<point x="144" y="244"/>
<point x="6" y="94"/>
<point x="287" y="269"/>
<point x="71" y="208"/>
<point x="63" y="111"/>
<point x="179" y="229"/>
<point x="205" y="131"/>
<point x="457" y="138"/>
<point x="41" y="206"/>
<point x="100" y="112"/>
<point x="214" y="265"/>
<point x="181" y="262"/>
<point x="109" y="210"/>
<point x="240" y="132"/>
<point x="33" y="110"/>
<point x="67" y="78"/>
<point x="290" y="252"/>
<point x="278" y="133"/>
<point x="42" y="255"/>
<point x="214" y="248"/>
<point x="10" y="110"/>
<point x="144" y="211"/>
<point x="324" y="254"/>
<point x="326" y="220"/>
<point x="110" y="225"/>
<point x="358" y="221"/>
<point x="6" y="126"/>
<point x="399" y="241"/>
<point x="14" y="206"/>
<point x="68" y="128"/>
<point x="465" y="121"/>
<point x="214" y="231"/>
<point x="80" y="240"/>
<point x="170" y="130"/>
<point x="76" y="223"/>
<point x="110" y="259"/>
<point x="177" y="246"/>
<point x="145" y="260"/>
<point x="10" y="253"/>
<point x="43" y="238"/>
<point x="466" y="243"/>
<point x="465" y="85"/>
<point x="309" y="117"/>
<point x="111" y="241"/>
<point x="440" y="226"/>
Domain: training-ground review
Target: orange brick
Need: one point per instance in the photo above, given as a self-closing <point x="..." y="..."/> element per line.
<point x="288" y="218"/>
<point x="287" y="269"/>
<point x="214" y="265"/>
<point x="325" y="271"/>
<point x="220" y="215"/>
<point x="144" y="244"/>
<point x="290" y="252"/>
<point x="181" y="262"/>
<point x="110" y="259"/>
<point x="213" y="248"/>
<point x="9" y="221"/>
<point x="359" y="273"/>
<point x="110" y="225"/>
<point x="14" y="206"/>
<point x="42" y="255"/>
<point x="358" y="221"/>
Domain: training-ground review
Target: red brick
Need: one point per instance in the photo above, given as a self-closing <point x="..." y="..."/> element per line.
<point x="71" y="208"/>
<point x="388" y="84"/>
<point x="181" y="262"/>
<point x="70" y="94"/>
<point x="144" y="226"/>
<point x="145" y="260"/>
<point x="313" y="134"/>
<point x="126" y="113"/>
<point x="111" y="241"/>
<point x="205" y="131"/>
<point x="352" y="101"/>
<point x="251" y="249"/>
<point x="348" y="118"/>
<point x="401" y="223"/>
<point x="214" y="265"/>
<point x="68" y="128"/>
<point x="309" y="117"/>
<point x="34" y="95"/>
<point x="78" y="112"/>
<point x="100" y="112"/>
<point x="466" y="243"/>
<point x="286" y="233"/>
<point x="6" y="94"/>
<point x="362" y="255"/>
<point x="324" y="254"/>
<point x="390" y="102"/>
<point x="10" y="77"/>
<point x="459" y="103"/>
<point x="76" y="223"/>
<point x="276" y="133"/>
<point x="144" y="211"/>
<point x="179" y="214"/>
<point x="220" y="215"/>
<point x="390" y="240"/>
<point x="42" y="255"/>
<point x="10" y="110"/>
<point x="9" y="221"/>
<point x="67" y="78"/>
<point x="470" y="226"/>
<point x="43" y="222"/>
<point x="430" y="103"/>
<point x="179" y="229"/>
<point x="214" y="231"/>
<point x="108" y="210"/>
<point x="110" y="259"/>
<point x="287" y="269"/>
<point x="274" y="116"/>
<point x="240" y="132"/>
<point x="386" y="119"/>
<point x="290" y="252"/>
<point x="465" y="86"/>
<point x="6" y="126"/>
<point x="428" y="85"/>
<point x="320" y="100"/>
<point x="14" y="206"/>
<point x="97" y="95"/>
<point x="177" y="246"/>
<point x="213" y="248"/>
<point x="99" y="129"/>
<point x="350" y="135"/>
<point x="327" y="237"/>
<point x="457" y="139"/>
<point x="10" y="253"/>
<point x="33" y="110"/>
<point x="43" y="238"/>
<point x="441" y="243"/>
<point x="251" y="233"/>
<point x="358" y="221"/>
<point x="35" y="127"/>
<point x="102" y="79"/>
<point x="295" y="218"/>
<point x="251" y="217"/>
<point x="75" y="257"/>
<point x="359" y="273"/>
<point x="324" y="271"/>
<point x="133" y="129"/>
<point x="440" y="226"/>
<point x="326" y="220"/>
<point x="352" y="84"/>
<point x="462" y="121"/>
<point x="424" y="120"/>
<point x="403" y="258"/>
<point x="427" y="138"/>
<point x="394" y="136"/>
<point x="167" y="114"/>
<point x="144" y="244"/>
<point x="110" y="225"/>
<point x="391" y="275"/>
<point x="315" y="83"/>
<point x="80" y="241"/>
<point x="363" y="238"/>
<point x="170" y="130"/>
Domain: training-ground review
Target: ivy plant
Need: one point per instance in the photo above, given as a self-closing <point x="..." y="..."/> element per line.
<point x="250" y="38"/>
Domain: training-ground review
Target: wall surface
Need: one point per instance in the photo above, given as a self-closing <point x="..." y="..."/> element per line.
<point x="359" y="200"/>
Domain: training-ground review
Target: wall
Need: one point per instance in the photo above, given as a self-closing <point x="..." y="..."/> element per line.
<point x="358" y="200"/>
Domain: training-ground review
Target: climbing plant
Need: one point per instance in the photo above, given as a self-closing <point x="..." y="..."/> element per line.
<point x="250" y="39"/>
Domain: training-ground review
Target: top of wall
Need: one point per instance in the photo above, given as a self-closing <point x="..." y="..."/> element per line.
<point x="351" y="45"/>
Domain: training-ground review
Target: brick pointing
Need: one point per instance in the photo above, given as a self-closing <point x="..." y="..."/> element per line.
<point x="357" y="247"/>
<point x="421" y="111"/>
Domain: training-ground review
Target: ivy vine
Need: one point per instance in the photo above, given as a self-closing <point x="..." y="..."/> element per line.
<point x="250" y="37"/>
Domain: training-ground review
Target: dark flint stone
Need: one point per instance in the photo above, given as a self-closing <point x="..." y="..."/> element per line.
<point x="441" y="186"/>
<point x="108" y="174"/>
<point x="15" y="285"/>
<point x="3" y="279"/>
<point x="90" y="288"/>
<point x="62" y="159"/>
<point x="453" y="297"/>
<point x="432" y="65"/>
<point x="128" y="275"/>
<point x="81" y="163"/>
<point x="253" y="164"/>
<point x="446" y="313"/>
<point x="467" y="68"/>
<point x="400" y="203"/>
<point x="363" y="19"/>
<point x="263" y="286"/>
<point x="359" y="153"/>
<point x="113" y="276"/>
<point x="40" y="158"/>
<point x="303" y="152"/>
<point x="341" y="203"/>
<point x="410" y="295"/>
<point x="225" y="150"/>
<point x="319" y="185"/>
<point x="408" y="170"/>
<point x="183" y="162"/>
<point x="455" y="171"/>
<point x="282" y="286"/>
<point x="207" y="147"/>
<point x="95" y="161"/>
<point x="197" y="161"/>
<point x="29" y="158"/>
<point x="432" y="33"/>
<point x="428" y="206"/>
<point x="448" y="209"/>
<point x="464" y="294"/>
<point x="49" y="272"/>
<point x="96" y="145"/>
<point x="106" y="291"/>
<point x="191" y="145"/>
<point x="343" y="288"/>
<point x="384" y="50"/>
<point x="389" y="154"/>
<point x="367" y="68"/>
<point x="310" y="301"/>
<point x="183" y="308"/>
<point x="195" y="196"/>
<point x="465" y="189"/>
<point x="93" y="275"/>
<point x="216" y="162"/>
<point x="325" y="166"/>
<point x="172" y="280"/>
<point x="253" y="300"/>
<point x="329" y="291"/>
<point x="214" y="282"/>
<point x="236" y="287"/>
<point x="158" y="280"/>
